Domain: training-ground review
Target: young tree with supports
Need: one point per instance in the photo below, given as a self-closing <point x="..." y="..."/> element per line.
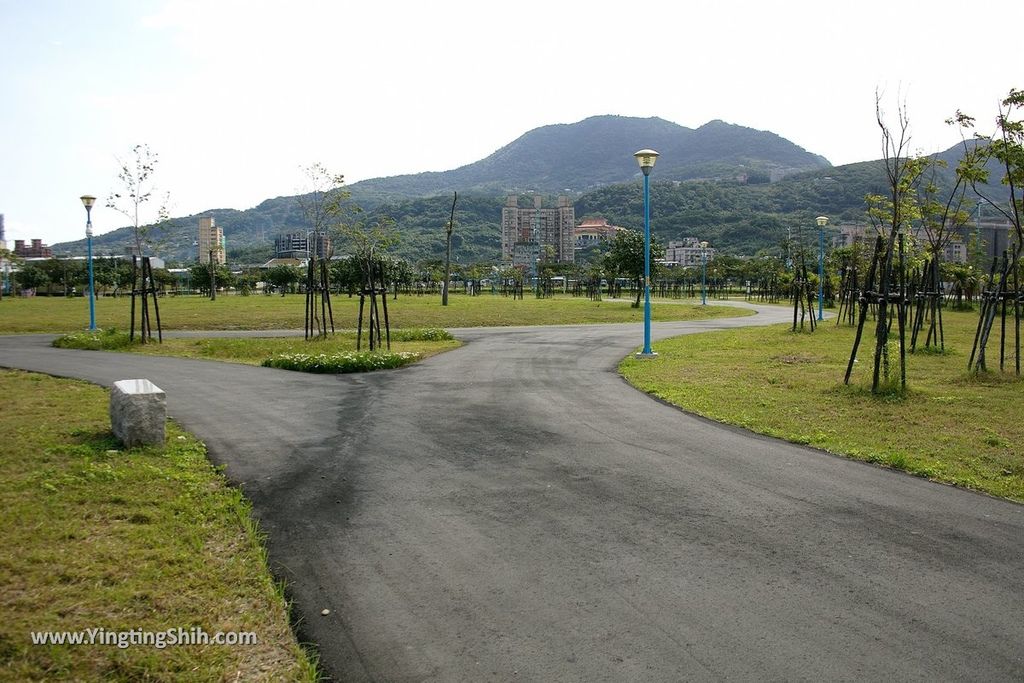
<point x="892" y="215"/>
<point x="369" y="247"/>
<point x="134" y="195"/>
<point x="941" y="216"/>
<point x="1004" y="149"/>
<point x="326" y="209"/>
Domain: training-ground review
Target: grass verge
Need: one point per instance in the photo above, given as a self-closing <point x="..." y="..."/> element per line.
<point x="92" y="536"/>
<point x="949" y="426"/>
<point x="339" y="363"/>
<point x="256" y="350"/>
<point x="58" y="314"/>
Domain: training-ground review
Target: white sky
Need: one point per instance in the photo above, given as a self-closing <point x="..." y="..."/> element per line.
<point x="236" y="96"/>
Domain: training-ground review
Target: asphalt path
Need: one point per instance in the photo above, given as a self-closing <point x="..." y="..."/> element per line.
<point x="513" y="510"/>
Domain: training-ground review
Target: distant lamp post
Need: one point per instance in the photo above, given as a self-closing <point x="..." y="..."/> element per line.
<point x="88" y="201"/>
<point x="822" y="222"/>
<point x="703" y="273"/>
<point x="646" y="159"/>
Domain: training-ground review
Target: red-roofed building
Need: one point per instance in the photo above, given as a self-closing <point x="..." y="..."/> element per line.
<point x="594" y="231"/>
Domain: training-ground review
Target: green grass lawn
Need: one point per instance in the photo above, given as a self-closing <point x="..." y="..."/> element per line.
<point x="950" y="426"/>
<point x="92" y="536"/>
<point x="258" y="312"/>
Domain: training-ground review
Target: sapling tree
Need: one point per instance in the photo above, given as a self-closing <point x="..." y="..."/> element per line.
<point x="941" y="216"/>
<point x="1003" y="149"/>
<point x="892" y="215"/>
<point x="136" y="191"/>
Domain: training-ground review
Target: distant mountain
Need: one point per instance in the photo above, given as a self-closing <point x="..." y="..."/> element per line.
<point x="711" y="182"/>
<point x="564" y="158"/>
<point x="597" y="151"/>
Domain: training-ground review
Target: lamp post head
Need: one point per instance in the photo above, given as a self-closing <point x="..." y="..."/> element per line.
<point x="646" y="159"/>
<point x="822" y="221"/>
<point x="87" y="201"/>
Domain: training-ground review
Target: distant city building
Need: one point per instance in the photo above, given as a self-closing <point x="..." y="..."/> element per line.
<point x="37" y="250"/>
<point x="853" y="233"/>
<point x="211" y="237"/>
<point x="994" y="237"/>
<point x="687" y="252"/>
<point x="551" y="227"/>
<point x="3" y="237"/>
<point x="526" y="255"/>
<point x="297" y="245"/>
<point x="593" y="231"/>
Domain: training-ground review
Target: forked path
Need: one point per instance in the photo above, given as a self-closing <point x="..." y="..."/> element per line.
<point x="513" y="510"/>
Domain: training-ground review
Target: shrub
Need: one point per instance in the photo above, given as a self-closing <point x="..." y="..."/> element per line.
<point x="422" y="334"/>
<point x="348" y="361"/>
<point x="98" y="340"/>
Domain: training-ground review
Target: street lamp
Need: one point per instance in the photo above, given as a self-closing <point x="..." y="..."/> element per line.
<point x="822" y="221"/>
<point x="88" y="201"/>
<point x="703" y="273"/>
<point x="646" y="159"/>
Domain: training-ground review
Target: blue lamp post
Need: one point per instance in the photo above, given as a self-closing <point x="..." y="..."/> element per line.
<point x="703" y="273"/>
<point x="822" y="221"/>
<point x="646" y="159"/>
<point x="88" y="201"/>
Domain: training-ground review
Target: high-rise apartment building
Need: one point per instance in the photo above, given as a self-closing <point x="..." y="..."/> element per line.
<point x="543" y="227"/>
<point x="299" y="245"/>
<point x="211" y="237"/>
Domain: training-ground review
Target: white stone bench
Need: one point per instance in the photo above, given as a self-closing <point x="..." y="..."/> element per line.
<point x="138" y="412"/>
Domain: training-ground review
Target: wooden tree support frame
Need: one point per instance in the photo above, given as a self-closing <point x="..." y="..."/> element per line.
<point x="1002" y="291"/>
<point x="928" y="301"/>
<point x="374" y="285"/>
<point x="142" y="286"/>
<point x="803" y="297"/>
<point x="319" y="313"/>
<point x="886" y="288"/>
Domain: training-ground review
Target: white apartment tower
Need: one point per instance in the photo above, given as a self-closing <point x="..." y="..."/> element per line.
<point x="211" y="237"/>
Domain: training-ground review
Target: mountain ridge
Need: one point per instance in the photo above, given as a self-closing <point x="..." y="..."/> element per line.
<point x="571" y="158"/>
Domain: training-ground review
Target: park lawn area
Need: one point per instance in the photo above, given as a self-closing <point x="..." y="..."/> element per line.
<point x="255" y="350"/>
<point x="949" y="426"/>
<point x="94" y="536"/>
<point x="259" y="312"/>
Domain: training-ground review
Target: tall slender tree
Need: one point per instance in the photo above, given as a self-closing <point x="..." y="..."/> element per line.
<point x="134" y="195"/>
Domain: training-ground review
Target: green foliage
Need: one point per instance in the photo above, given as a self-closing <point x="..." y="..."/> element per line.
<point x="100" y="340"/>
<point x="251" y="254"/>
<point x="1000" y="154"/>
<point x="344" y="362"/>
<point x="31" y="277"/>
<point x="200" y="277"/>
<point x="625" y="258"/>
<point x="421" y="334"/>
<point x="283" y="277"/>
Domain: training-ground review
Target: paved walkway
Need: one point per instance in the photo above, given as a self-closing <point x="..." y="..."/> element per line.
<point x="513" y="510"/>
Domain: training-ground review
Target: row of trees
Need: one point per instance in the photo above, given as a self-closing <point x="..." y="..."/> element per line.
<point x="65" y="277"/>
